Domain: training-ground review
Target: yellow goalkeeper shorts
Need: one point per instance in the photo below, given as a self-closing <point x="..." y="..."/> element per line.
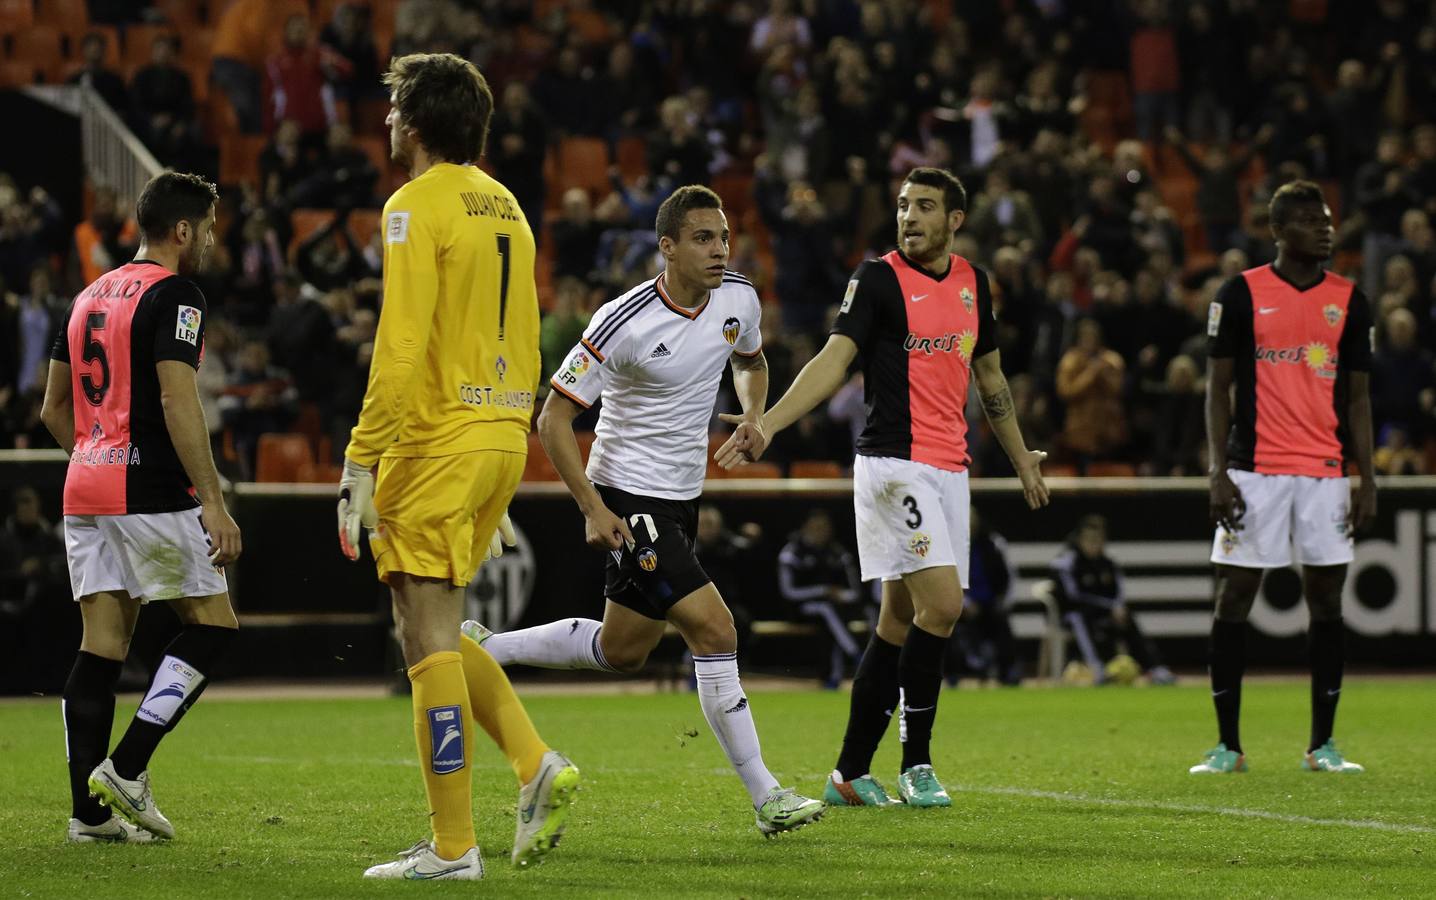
<point x="437" y="514"/>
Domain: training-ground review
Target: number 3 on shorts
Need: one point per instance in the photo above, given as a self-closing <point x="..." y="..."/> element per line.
<point x="915" y="519"/>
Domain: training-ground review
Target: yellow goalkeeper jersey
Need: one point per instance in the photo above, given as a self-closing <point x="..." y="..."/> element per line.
<point x="456" y="359"/>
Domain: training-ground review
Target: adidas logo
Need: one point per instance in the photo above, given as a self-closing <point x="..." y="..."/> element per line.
<point x="660" y="350"/>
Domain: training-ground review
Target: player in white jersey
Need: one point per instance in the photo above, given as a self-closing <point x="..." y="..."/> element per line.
<point x="655" y="356"/>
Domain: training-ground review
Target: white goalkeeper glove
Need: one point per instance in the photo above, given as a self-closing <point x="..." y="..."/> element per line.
<point x="356" y="506"/>
<point x="503" y="535"/>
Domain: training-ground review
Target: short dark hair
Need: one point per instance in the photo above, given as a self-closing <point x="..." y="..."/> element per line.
<point x="1291" y="195"/>
<point x="170" y="198"/>
<point x="447" y="102"/>
<point x="954" y="195"/>
<point x="675" y="209"/>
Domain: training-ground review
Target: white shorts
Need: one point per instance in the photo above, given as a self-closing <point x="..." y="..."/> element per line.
<point x="910" y="516"/>
<point x="1287" y="510"/>
<point x="150" y="556"/>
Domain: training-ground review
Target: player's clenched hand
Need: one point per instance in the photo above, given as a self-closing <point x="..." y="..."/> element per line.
<point x="745" y="445"/>
<point x="1227" y="505"/>
<point x="1029" y="470"/>
<point x="356" y="506"/>
<point x="605" y="531"/>
<point x="224" y="540"/>
<point x="503" y="536"/>
<point x="1363" y="507"/>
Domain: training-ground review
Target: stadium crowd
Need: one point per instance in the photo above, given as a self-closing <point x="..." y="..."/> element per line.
<point x="1118" y="156"/>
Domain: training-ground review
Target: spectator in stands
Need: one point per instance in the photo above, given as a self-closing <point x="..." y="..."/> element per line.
<point x="1418" y="244"/>
<point x="567" y="92"/>
<point x="1089" y="382"/>
<point x="781" y="27"/>
<point x="302" y="342"/>
<point x="1180" y="427"/>
<point x="727" y="557"/>
<point x="295" y="87"/>
<point x="1218" y="173"/>
<point x="1093" y="603"/>
<point x="1156" y="78"/>
<point x="240" y="48"/>
<point x="105" y="81"/>
<point x="1356" y="104"/>
<point x="575" y="236"/>
<point x="344" y="178"/>
<point x="982" y="643"/>
<point x="212" y="379"/>
<point x="819" y="577"/>
<point x="563" y="326"/>
<point x="329" y="259"/>
<point x="285" y="163"/>
<point x="41" y="311"/>
<point x="1403" y="379"/>
<point x="1383" y="194"/>
<point x="518" y="143"/>
<point x="260" y="399"/>
<point x="162" y="99"/>
<point x="259" y="262"/>
<point x="1396" y="456"/>
<point x="676" y="149"/>
<point x="804" y="234"/>
<point x="105" y="239"/>
<point x="32" y="558"/>
<point x="1003" y="216"/>
<point x="629" y="94"/>
<point x="348" y="55"/>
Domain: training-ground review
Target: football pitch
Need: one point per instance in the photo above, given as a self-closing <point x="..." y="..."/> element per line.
<point x="1056" y="792"/>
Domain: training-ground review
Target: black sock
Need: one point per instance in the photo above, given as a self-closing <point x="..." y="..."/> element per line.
<point x="874" y="698"/>
<point x="1326" y="643"/>
<point x="1227" y="665"/>
<point x="177" y="684"/>
<point x="920" y="674"/>
<point x="89" y="712"/>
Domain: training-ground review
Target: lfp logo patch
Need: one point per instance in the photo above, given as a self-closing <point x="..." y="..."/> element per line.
<point x="187" y="325"/>
<point x="920" y="543"/>
<point x="446" y="739"/>
<point x="579" y="363"/>
<point x="730" y="330"/>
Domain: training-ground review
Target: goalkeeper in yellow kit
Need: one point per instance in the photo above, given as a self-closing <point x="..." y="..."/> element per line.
<point x="446" y="420"/>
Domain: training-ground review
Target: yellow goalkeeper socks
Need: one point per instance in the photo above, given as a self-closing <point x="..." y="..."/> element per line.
<point x="498" y="710"/>
<point x="446" y="744"/>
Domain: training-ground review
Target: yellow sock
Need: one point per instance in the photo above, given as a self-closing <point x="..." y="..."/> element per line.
<point x="498" y="710"/>
<point x="446" y="745"/>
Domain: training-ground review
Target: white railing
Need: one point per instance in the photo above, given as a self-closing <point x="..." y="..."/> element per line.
<point x="113" y="155"/>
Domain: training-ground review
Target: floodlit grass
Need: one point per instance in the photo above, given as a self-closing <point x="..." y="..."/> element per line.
<point x="1061" y="792"/>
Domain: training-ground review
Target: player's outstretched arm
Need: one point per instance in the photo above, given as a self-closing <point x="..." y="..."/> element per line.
<point x="1227" y="504"/>
<point x="184" y="419"/>
<point x="58" y="410"/>
<point x="1002" y="415"/>
<point x="1358" y="415"/>
<point x="603" y="530"/>
<point x="823" y="375"/>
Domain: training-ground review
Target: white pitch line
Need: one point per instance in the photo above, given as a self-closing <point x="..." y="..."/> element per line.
<point x="1371" y="824"/>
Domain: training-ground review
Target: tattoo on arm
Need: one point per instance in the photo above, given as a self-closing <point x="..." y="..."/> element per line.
<point x="998" y="406"/>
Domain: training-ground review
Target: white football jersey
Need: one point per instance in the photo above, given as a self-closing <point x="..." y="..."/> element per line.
<point x="657" y="367"/>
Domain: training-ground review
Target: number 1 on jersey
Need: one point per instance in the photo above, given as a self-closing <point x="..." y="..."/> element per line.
<point x="503" y="241"/>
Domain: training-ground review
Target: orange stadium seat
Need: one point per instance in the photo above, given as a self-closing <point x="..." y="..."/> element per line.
<point x="538" y="467"/>
<point x="16" y="15"/>
<point x="281" y="457"/>
<point x="69" y="16"/>
<point x="239" y="157"/>
<point x="579" y="162"/>
<point x="585" y="443"/>
<point x="305" y="222"/>
<point x="40" y="45"/>
<point x="1111" y="470"/>
<point x="363" y="223"/>
<point x="14" y="74"/>
<point x="632" y="153"/>
<point x="815" y="468"/>
<point x="758" y="469"/>
<point x="182" y="14"/>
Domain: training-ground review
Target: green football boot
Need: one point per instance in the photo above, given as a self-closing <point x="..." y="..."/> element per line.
<point x="864" y="791"/>
<point x="918" y="786"/>
<point x="1219" y="761"/>
<point x="1327" y="758"/>
<point x="787" y="810"/>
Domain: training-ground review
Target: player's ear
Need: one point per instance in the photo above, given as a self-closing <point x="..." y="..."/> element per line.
<point x="184" y="230"/>
<point x="955" y="219"/>
<point x="665" y="246"/>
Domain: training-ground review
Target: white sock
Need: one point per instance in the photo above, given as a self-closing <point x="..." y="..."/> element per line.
<point x="731" y="719"/>
<point x="565" y="644"/>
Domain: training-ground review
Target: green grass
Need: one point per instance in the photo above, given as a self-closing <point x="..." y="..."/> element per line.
<point x="1063" y="792"/>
